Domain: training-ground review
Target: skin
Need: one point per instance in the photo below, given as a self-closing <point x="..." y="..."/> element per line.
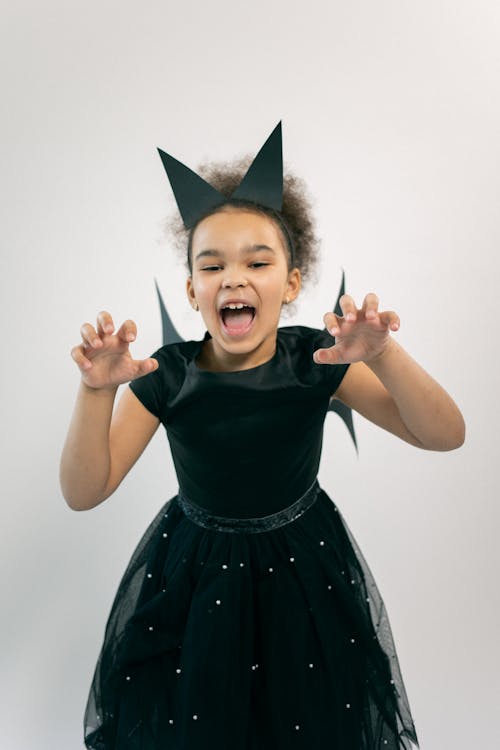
<point x="383" y="383"/>
<point x="231" y="272"/>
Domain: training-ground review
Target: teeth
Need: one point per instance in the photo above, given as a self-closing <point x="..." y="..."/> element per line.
<point x="238" y="306"/>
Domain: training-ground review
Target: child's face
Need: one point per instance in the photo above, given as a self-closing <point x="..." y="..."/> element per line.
<point x="240" y="255"/>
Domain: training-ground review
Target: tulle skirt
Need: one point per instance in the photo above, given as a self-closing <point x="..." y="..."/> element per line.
<point x="248" y="634"/>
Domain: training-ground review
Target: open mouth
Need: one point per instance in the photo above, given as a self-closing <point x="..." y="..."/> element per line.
<point x="237" y="319"/>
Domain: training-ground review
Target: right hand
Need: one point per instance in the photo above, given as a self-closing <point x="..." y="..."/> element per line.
<point x="103" y="357"/>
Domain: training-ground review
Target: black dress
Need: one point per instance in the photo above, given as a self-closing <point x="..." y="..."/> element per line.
<point x="247" y="618"/>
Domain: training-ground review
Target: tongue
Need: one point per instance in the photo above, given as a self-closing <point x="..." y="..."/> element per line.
<point x="237" y="320"/>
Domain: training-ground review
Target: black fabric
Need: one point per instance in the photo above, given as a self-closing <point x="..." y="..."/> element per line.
<point x="233" y="640"/>
<point x="244" y="443"/>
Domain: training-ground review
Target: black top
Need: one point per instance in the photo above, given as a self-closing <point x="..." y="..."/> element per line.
<point x="244" y="443"/>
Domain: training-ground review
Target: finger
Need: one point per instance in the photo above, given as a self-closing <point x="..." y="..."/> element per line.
<point x="127" y="331"/>
<point x="328" y="356"/>
<point x="145" y="366"/>
<point x="78" y="355"/>
<point x="89" y="335"/>
<point x="105" y="322"/>
<point x="370" y="305"/>
<point x="390" y="319"/>
<point x="331" y="321"/>
<point x="348" y="307"/>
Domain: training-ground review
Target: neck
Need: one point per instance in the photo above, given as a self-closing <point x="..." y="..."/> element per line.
<point x="217" y="359"/>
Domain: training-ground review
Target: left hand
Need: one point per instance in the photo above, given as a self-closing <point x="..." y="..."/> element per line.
<point x="360" y="335"/>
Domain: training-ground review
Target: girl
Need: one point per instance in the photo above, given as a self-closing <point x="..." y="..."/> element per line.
<point x="247" y="618"/>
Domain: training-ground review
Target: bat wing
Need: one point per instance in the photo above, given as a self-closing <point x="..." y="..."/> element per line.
<point x="169" y="332"/>
<point x="344" y="412"/>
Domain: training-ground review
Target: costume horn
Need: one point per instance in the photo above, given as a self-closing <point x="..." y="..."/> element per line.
<point x="262" y="183"/>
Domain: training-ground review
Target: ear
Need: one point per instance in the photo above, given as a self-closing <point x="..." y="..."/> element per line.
<point x="190" y="291"/>
<point x="294" y="284"/>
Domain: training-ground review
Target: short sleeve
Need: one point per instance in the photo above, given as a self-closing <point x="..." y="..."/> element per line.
<point x="332" y="375"/>
<point x="336" y="376"/>
<point x="150" y="388"/>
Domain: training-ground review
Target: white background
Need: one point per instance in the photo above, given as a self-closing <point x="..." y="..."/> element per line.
<point x="391" y="114"/>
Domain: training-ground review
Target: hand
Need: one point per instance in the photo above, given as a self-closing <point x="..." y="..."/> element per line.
<point x="360" y="335"/>
<point x="104" y="359"/>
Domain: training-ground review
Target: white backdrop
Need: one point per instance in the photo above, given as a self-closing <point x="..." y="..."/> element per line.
<point x="391" y="114"/>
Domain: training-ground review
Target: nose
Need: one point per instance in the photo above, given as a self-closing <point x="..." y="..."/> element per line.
<point x="234" y="279"/>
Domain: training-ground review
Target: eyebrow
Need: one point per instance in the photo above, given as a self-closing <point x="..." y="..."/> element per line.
<point x="248" y="249"/>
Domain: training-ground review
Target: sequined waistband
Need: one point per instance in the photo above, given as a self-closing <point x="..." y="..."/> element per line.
<point x="203" y="518"/>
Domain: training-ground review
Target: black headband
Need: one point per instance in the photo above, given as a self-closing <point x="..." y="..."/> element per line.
<point x="262" y="185"/>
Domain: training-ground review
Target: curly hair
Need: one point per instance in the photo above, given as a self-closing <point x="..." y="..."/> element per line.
<point x="296" y="214"/>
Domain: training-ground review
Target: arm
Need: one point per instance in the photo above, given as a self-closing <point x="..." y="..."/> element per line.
<point x="394" y="392"/>
<point x="384" y="384"/>
<point x="102" y="446"/>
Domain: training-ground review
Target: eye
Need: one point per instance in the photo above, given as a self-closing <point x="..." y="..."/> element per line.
<point x="256" y="264"/>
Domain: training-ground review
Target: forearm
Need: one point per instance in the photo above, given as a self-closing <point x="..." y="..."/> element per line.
<point x="426" y="409"/>
<point x="85" y="460"/>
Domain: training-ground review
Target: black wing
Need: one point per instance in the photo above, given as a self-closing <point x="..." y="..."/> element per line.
<point x="344" y="412"/>
<point x="169" y="332"/>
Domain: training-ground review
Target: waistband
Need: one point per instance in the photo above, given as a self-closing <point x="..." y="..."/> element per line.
<point x="205" y="519"/>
